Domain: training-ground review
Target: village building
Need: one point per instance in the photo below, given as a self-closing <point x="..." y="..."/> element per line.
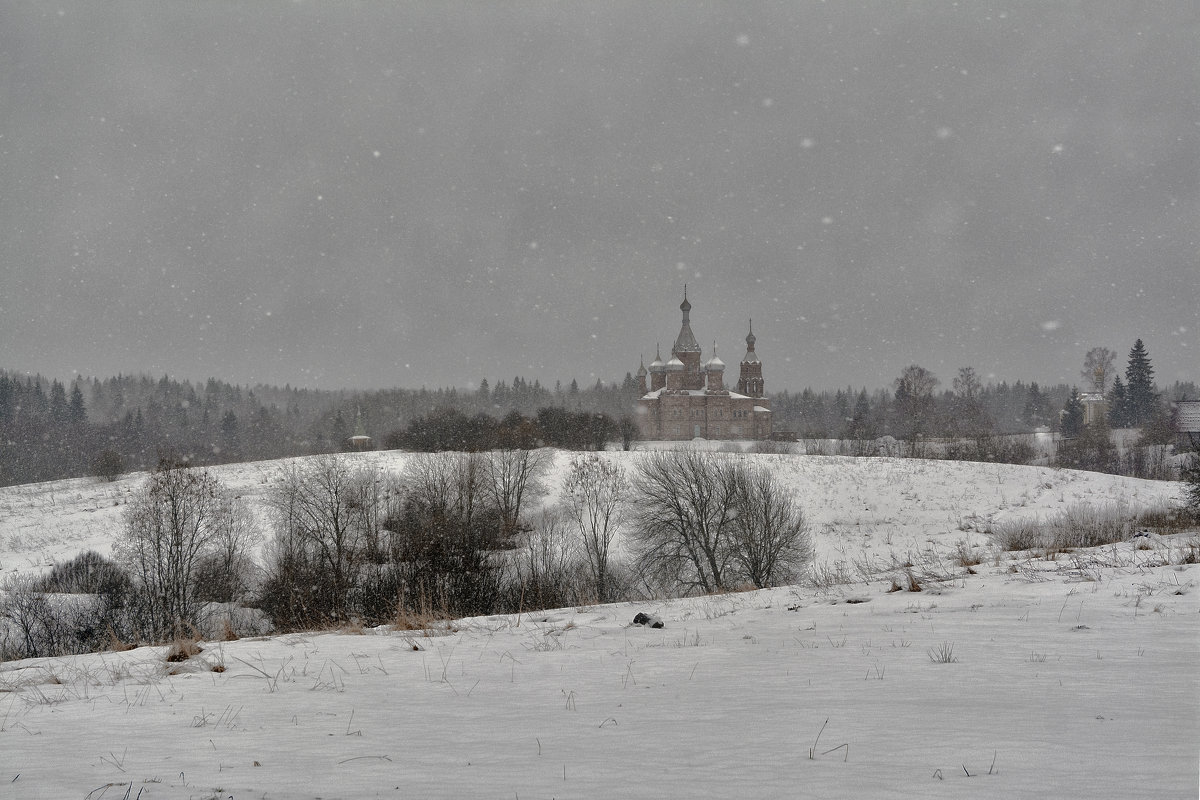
<point x="1095" y="407"/>
<point x="686" y="397"/>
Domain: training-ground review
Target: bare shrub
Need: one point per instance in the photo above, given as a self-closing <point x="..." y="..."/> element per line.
<point x="37" y="623"/>
<point x="1150" y="461"/>
<point x="992" y="449"/>
<point x="36" y="631"/>
<point x="825" y="575"/>
<point x="444" y="535"/>
<point x="1091" y="450"/>
<point x="108" y="465"/>
<point x="1019" y="534"/>
<point x="87" y="573"/>
<point x="1164" y="518"/>
<point x="965" y="555"/>
<point x="545" y="571"/>
<point x="1083" y="525"/>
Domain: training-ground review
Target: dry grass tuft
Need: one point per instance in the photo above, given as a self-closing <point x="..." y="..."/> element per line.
<point x="943" y="653"/>
<point x="228" y="634"/>
<point x="965" y="555"/>
<point x="182" y="649"/>
<point x="116" y="644"/>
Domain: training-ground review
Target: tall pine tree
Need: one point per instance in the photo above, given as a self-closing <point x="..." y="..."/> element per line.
<point x="1140" y="397"/>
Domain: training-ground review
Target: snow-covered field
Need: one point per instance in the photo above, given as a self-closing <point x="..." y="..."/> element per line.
<point x="1029" y="678"/>
<point x="856" y="506"/>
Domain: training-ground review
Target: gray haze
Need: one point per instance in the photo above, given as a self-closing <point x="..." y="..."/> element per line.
<point x="405" y="194"/>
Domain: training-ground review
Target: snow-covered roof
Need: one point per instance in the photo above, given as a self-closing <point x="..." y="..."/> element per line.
<point x="686" y="341"/>
<point x="674" y="364"/>
<point x="751" y="357"/>
<point x="657" y="364"/>
<point x="694" y="393"/>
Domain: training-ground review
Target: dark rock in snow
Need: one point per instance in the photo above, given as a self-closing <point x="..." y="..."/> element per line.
<point x="648" y="620"/>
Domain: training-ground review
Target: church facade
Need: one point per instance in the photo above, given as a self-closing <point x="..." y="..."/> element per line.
<point x="686" y="397"/>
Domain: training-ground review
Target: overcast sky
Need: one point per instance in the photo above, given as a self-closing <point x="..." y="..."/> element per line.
<point x="404" y="194"/>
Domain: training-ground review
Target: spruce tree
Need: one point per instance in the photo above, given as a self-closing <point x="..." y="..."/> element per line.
<point x="1072" y="417"/>
<point x="76" y="410"/>
<point x="1034" y="412"/>
<point x="1139" y="386"/>
<point x="1118" y="404"/>
<point x="58" y="402"/>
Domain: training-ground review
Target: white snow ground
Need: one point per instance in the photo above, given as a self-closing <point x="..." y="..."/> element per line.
<point x="1068" y="678"/>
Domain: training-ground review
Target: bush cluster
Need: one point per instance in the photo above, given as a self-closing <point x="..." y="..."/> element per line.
<point x="1083" y="525"/>
<point x="448" y="537"/>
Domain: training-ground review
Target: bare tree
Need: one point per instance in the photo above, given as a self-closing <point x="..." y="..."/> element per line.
<point x="914" y="399"/>
<point x="1097" y="366"/>
<point x="319" y="524"/>
<point x="31" y="630"/>
<point x="451" y="483"/>
<point x="770" y="535"/>
<point x="592" y="493"/>
<point x="225" y="573"/>
<point x="510" y="477"/>
<point x="172" y="524"/>
<point x="707" y="522"/>
<point x="969" y="417"/>
<point x="683" y="512"/>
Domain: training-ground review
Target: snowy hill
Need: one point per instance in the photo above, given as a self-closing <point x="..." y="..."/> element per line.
<point x="855" y="505"/>
<point x="1020" y="677"/>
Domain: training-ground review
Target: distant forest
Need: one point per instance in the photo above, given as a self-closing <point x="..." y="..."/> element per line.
<point x="51" y="430"/>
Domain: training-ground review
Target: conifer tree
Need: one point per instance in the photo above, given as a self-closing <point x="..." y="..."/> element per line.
<point x="1072" y="418"/>
<point x="1139" y="386"/>
<point x="76" y="411"/>
<point x="58" y="402"/>
<point x="1118" y="404"/>
<point x="1034" y="412"/>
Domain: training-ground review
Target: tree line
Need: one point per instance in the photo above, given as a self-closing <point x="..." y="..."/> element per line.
<point x="51" y="430"/>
